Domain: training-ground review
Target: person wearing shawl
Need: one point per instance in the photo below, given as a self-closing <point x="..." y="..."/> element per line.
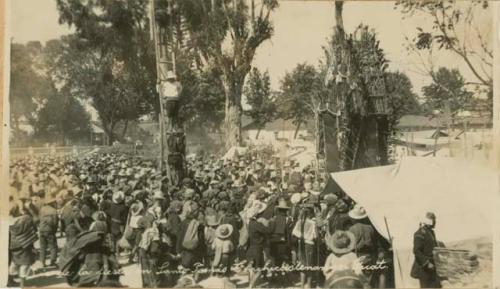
<point x="135" y="214"/>
<point x="229" y="216"/>
<point x="366" y="239"/>
<point x="22" y="237"/>
<point x="279" y="239"/>
<point x="117" y="216"/>
<point x="155" y="246"/>
<point x="305" y="233"/>
<point x="47" y="229"/>
<point x="211" y="225"/>
<point x="258" y="231"/>
<point x="87" y="260"/>
<point x="190" y="244"/>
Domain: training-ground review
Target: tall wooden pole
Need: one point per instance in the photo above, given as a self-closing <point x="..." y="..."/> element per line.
<point x="496" y="132"/>
<point x="169" y="89"/>
<point x="448" y="116"/>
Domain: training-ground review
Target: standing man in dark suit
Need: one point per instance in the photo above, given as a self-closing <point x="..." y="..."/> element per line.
<point x="424" y="242"/>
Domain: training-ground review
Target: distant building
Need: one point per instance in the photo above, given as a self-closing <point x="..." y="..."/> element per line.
<point x="97" y="134"/>
<point x="420" y="122"/>
<point x="277" y="131"/>
<point x="417" y="123"/>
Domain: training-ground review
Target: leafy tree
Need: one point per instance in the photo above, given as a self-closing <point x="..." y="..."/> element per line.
<point x="28" y="88"/>
<point x="298" y="88"/>
<point x="63" y="119"/>
<point x="98" y="75"/>
<point x="456" y="27"/>
<point x="402" y="99"/>
<point x="202" y="101"/>
<point x="259" y="96"/>
<point x="447" y="88"/>
<point x="118" y="30"/>
<point x="227" y="35"/>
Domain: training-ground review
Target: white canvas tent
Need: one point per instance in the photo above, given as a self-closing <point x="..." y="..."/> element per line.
<point x="396" y="197"/>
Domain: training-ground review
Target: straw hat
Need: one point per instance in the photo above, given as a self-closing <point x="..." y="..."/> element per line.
<point x="358" y="212"/>
<point x="256" y="208"/>
<point x="158" y="195"/>
<point x="188" y="193"/>
<point x="238" y="183"/>
<point x="296" y="198"/>
<point x="341" y="242"/>
<point x="224" y="231"/>
<point x="118" y="196"/>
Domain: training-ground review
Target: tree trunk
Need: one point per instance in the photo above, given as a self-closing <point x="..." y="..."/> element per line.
<point x="258" y="133"/>
<point x="233" y="125"/>
<point x="339" y="22"/>
<point x="296" y="130"/>
<point x="125" y="126"/>
<point x="233" y="111"/>
<point x="108" y="130"/>
<point x="111" y="139"/>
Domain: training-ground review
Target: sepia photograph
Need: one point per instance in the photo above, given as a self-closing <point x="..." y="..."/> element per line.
<point x="251" y="144"/>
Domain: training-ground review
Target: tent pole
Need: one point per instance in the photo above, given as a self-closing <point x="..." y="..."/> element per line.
<point x="392" y="247"/>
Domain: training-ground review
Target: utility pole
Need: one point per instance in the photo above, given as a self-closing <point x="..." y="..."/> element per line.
<point x="448" y="117"/>
<point x="168" y="87"/>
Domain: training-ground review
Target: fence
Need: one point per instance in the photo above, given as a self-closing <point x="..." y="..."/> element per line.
<point x="61" y="150"/>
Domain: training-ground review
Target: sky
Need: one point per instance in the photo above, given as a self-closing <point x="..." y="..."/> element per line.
<point x="301" y="29"/>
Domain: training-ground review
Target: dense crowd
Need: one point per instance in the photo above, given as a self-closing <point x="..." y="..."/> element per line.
<point x="227" y="217"/>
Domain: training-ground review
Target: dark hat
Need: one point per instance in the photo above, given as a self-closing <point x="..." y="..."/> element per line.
<point x="223" y="205"/>
<point x="222" y="195"/>
<point x="92" y="179"/>
<point x="330" y="199"/>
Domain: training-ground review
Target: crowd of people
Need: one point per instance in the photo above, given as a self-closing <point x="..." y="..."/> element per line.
<point x="245" y="215"/>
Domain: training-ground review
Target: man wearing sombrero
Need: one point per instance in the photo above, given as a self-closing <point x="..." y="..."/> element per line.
<point x="365" y="236"/>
